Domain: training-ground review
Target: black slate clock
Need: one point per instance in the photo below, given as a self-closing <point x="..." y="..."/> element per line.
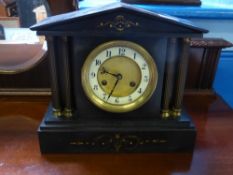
<point x="118" y="76"/>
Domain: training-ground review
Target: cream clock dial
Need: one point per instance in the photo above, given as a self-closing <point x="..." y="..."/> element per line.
<point x="119" y="76"/>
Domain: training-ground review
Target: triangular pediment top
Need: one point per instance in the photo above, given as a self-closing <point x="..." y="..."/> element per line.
<point x="55" y="21"/>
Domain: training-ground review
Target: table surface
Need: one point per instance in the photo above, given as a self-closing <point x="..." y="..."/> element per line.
<point x="20" y="154"/>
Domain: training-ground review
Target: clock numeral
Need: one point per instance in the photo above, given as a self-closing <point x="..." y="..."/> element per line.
<point x="146" y="78"/>
<point x="104" y="96"/>
<point x="93" y="74"/>
<point x="108" y="53"/>
<point x="117" y="100"/>
<point x="144" y="66"/>
<point x="130" y="99"/>
<point x="134" y="56"/>
<point x="121" y="51"/>
<point x="140" y="90"/>
<point x="97" y="62"/>
<point x="96" y="87"/>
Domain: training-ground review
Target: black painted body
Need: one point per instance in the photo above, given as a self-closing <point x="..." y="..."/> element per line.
<point x="71" y="37"/>
<point x="116" y="135"/>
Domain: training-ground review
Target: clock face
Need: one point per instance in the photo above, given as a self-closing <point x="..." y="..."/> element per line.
<point x="119" y="76"/>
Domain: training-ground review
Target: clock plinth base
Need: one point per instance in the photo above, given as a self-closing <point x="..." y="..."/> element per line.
<point x="69" y="136"/>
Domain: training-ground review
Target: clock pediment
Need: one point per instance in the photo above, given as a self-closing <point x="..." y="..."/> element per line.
<point x="117" y="18"/>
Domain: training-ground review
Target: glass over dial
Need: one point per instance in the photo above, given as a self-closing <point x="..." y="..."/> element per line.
<point x="119" y="76"/>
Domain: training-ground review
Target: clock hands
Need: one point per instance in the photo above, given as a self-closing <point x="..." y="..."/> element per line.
<point x="113" y="89"/>
<point x="119" y="77"/>
<point x="104" y="71"/>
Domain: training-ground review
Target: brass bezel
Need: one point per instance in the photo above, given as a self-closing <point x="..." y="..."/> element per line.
<point x="125" y="107"/>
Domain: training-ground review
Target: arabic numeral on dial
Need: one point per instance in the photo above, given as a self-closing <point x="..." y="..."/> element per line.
<point x="134" y="56"/>
<point x="146" y="78"/>
<point x="144" y="65"/>
<point x="93" y="74"/>
<point x="97" y="62"/>
<point x="96" y="87"/>
<point x="121" y="51"/>
<point x="117" y="100"/>
<point x="104" y="96"/>
<point x="130" y="99"/>
<point x="108" y="53"/>
<point x="140" y="90"/>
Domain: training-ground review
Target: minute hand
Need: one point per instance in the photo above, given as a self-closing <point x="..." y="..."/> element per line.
<point x="113" y="88"/>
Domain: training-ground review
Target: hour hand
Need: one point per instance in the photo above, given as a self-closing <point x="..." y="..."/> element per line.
<point x="104" y="71"/>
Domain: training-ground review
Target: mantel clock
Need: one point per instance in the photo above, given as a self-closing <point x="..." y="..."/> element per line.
<point x="117" y="76"/>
